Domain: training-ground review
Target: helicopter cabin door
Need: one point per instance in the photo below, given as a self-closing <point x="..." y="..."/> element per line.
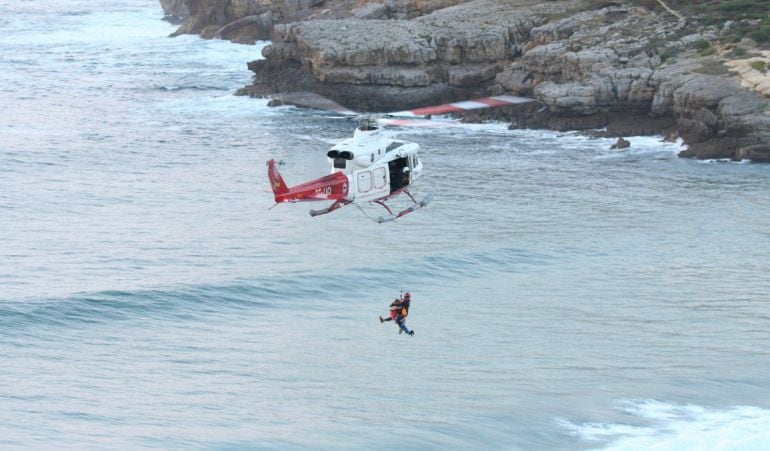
<point x="400" y="172"/>
<point x="371" y="184"/>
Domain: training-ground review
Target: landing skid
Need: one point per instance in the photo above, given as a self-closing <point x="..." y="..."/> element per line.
<point x="329" y="209"/>
<point x="390" y="217"/>
<point x="394" y="216"/>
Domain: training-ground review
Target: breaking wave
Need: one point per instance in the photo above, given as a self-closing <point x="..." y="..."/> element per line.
<point x="662" y="425"/>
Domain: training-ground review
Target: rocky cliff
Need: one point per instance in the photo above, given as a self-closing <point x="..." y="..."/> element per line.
<point x="452" y="53"/>
<point x="246" y="21"/>
<point x="627" y="66"/>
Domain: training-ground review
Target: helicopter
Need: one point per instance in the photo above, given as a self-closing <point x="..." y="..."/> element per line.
<point x="372" y="166"/>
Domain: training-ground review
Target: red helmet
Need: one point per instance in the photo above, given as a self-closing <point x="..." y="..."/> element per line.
<point x="407" y="295"/>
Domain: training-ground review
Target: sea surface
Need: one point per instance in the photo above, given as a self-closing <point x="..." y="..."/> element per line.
<point x="566" y="296"/>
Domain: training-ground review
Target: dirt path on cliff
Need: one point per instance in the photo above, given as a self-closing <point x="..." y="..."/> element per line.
<point x="671" y="11"/>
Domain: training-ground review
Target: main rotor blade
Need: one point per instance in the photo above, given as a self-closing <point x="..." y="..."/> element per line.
<point x="484" y="102"/>
<point x="313" y="100"/>
<point x="418" y="122"/>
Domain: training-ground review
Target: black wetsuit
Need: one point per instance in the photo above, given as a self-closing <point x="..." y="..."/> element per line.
<point x="404" y="304"/>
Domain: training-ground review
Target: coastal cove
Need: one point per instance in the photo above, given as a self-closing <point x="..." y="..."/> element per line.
<point x="565" y="295"/>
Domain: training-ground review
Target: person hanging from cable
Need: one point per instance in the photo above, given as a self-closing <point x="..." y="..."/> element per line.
<point x="399" y="309"/>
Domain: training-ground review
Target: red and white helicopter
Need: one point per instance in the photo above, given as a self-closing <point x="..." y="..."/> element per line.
<point x="374" y="165"/>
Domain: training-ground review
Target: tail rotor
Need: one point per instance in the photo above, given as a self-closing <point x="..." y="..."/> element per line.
<point x="277" y="183"/>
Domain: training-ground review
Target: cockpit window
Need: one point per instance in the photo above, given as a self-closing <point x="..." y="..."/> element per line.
<point x="394" y="145"/>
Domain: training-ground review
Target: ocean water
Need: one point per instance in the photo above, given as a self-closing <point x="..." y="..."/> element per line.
<point x="566" y="296"/>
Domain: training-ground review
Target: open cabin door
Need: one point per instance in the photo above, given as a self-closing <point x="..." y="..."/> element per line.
<point x="399" y="178"/>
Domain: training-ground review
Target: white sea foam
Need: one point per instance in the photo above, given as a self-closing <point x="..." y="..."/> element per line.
<point x="226" y="105"/>
<point x="723" y="160"/>
<point x="580" y="140"/>
<point x="669" y="426"/>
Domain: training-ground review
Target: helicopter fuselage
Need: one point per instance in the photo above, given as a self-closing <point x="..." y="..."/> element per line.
<point x="377" y="164"/>
<point x="372" y="166"/>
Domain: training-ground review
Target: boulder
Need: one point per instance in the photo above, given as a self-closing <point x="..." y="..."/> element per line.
<point x="371" y="11"/>
<point x="516" y="79"/>
<point x="247" y="30"/>
<point x="621" y="144"/>
<point x="175" y="11"/>
<point x="759" y="153"/>
<point x="568" y="99"/>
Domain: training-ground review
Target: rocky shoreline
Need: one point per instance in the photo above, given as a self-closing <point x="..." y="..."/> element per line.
<point x="626" y="66"/>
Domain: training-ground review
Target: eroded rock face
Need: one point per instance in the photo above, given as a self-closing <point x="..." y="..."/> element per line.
<point x="246" y="21"/>
<point x="242" y="21"/>
<point x="719" y="119"/>
<point x="452" y="53"/>
<point x="604" y="68"/>
<point x="590" y="64"/>
<point x="175" y="10"/>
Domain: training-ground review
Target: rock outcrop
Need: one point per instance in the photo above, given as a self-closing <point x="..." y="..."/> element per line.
<point x="591" y="63"/>
<point x="175" y="11"/>
<point x="453" y="53"/>
<point x="608" y="68"/>
<point x="241" y="21"/>
<point x="247" y="21"/>
<point x="621" y="144"/>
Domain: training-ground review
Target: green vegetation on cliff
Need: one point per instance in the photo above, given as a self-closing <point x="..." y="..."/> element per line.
<point x="750" y="18"/>
<point x="753" y="17"/>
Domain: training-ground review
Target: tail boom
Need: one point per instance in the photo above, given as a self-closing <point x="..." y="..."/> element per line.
<point x="331" y="187"/>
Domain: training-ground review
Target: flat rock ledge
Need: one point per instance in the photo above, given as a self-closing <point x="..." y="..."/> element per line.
<point x="376" y="64"/>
